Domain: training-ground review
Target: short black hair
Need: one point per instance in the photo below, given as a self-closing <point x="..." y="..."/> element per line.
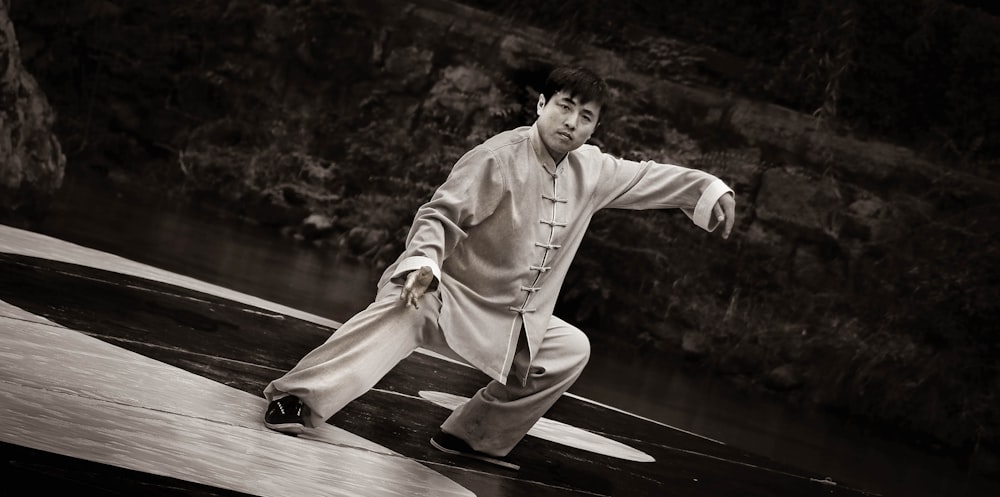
<point x="580" y="83"/>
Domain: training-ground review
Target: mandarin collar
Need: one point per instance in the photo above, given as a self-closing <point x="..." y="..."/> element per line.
<point x="542" y="153"/>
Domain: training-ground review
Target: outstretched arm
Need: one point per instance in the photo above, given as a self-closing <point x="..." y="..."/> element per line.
<point x="704" y="198"/>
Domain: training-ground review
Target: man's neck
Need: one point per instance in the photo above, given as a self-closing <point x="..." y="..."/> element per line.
<point x="556" y="158"/>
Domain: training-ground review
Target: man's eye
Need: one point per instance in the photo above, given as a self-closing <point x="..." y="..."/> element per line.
<point x="564" y="107"/>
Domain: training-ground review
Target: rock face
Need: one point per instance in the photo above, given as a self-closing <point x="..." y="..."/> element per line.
<point x="31" y="160"/>
<point x="860" y="276"/>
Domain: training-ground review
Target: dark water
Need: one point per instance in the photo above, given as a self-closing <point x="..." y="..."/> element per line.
<point x="255" y="261"/>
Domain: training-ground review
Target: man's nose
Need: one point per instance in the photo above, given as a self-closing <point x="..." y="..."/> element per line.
<point x="571" y="120"/>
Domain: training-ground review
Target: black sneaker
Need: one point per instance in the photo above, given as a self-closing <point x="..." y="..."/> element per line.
<point x="451" y="444"/>
<point x="285" y="415"/>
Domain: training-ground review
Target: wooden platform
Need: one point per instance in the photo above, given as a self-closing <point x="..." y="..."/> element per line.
<point x="119" y="378"/>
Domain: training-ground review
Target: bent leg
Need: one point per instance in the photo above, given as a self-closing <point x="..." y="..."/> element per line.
<point x="357" y="355"/>
<point x="498" y="416"/>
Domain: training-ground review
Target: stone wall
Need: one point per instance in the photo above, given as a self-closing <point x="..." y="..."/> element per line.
<point x="31" y="160"/>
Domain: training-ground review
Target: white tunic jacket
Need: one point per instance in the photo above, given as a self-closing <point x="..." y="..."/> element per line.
<point x="501" y="231"/>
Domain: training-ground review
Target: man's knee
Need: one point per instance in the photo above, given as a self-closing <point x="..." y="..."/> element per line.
<point x="578" y="346"/>
<point x="573" y="344"/>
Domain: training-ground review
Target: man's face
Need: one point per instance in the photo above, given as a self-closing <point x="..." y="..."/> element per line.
<point x="565" y="123"/>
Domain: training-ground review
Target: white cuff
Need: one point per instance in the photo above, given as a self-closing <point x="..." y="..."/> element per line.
<point x="703" y="215"/>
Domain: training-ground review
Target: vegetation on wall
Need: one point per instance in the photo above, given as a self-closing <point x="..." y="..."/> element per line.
<point x="914" y="71"/>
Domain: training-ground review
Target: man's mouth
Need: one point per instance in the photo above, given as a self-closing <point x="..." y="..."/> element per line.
<point x="565" y="135"/>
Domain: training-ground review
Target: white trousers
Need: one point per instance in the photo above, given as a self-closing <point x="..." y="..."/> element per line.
<point x="372" y="342"/>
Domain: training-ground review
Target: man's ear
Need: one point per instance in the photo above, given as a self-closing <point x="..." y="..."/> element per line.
<point x="541" y="103"/>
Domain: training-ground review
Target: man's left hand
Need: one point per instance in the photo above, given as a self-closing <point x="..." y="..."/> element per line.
<point x="725" y="211"/>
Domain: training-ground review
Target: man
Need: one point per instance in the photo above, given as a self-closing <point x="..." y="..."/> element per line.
<point x="483" y="265"/>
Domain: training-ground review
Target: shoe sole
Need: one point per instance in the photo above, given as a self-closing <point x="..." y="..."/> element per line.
<point x="478" y="457"/>
<point x="287" y="428"/>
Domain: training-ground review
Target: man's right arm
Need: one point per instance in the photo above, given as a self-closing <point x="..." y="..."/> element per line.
<point x="469" y="194"/>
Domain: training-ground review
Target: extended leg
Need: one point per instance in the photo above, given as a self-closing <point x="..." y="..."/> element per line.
<point x="357" y="355"/>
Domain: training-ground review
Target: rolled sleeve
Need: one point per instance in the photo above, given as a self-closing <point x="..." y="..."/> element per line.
<point x="703" y="217"/>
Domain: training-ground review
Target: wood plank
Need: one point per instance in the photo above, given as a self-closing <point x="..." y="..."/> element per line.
<point x="67" y="393"/>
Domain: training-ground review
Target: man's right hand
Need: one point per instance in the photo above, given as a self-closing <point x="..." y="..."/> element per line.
<point x="416" y="286"/>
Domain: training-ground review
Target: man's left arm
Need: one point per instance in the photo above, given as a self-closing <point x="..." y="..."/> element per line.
<point x="704" y="198"/>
